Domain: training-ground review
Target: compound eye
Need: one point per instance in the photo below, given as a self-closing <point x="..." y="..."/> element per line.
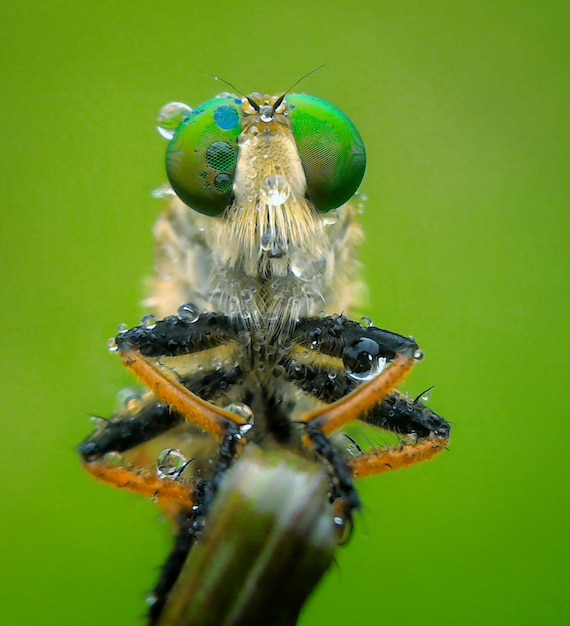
<point x="202" y="155"/>
<point x="331" y="150"/>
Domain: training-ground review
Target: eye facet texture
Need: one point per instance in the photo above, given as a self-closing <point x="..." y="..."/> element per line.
<point x="201" y="157"/>
<point x="331" y="149"/>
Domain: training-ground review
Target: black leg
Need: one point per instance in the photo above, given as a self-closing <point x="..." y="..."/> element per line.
<point x="124" y="432"/>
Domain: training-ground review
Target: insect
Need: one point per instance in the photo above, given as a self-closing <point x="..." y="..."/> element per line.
<point x="253" y="372"/>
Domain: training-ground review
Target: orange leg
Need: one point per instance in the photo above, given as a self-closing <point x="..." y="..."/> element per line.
<point x="173" y="496"/>
<point x="209" y="418"/>
<point x="362" y="399"/>
<point x="399" y="457"/>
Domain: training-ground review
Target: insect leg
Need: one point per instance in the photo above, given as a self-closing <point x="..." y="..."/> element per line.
<point x="360" y="401"/>
<point x="161" y="357"/>
<point x="102" y="455"/>
<point x="426" y="435"/>
<point x="335" y="356"/>
<point x="349" y="367"/>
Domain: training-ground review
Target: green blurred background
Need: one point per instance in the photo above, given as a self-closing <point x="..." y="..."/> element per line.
<point x="464" y="108"/>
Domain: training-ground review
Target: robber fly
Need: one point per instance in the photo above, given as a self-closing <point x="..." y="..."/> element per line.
<point x="253" y="372"/>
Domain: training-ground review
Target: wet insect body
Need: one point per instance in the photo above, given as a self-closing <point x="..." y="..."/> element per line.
<point x="252" y="363"/>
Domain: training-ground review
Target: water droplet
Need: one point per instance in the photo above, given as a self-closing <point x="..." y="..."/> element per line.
<point x="276" y="251"/>
<point x="151" y="599"/>
<point x="114" y="459"/>
<point x="330" y="219"/>
<point x="247" y="295"/>
<point x="126" y="395"/>
<point x="362" y="359"/>
<point x="112" y="345"/>
<point x="122" y="328"/>
<point x="245" y="428"/>
<point x="148" y="322"/>
<point x="351" y="447"/>
<point x="307" y="268"/>
<point x="267" y="240"/>
<point x="188" y="312"/>
<point x="366" y="322"/>
<point x="411" y="439"/>
<point x="234" y="307"/>
<point x="275" y="190"/>
<point x="243" y="410"/>
<point x="243" y="141"/>
<point x="170" y="463"/>
<point x="162" y="192"/>
<point x="343" y="526"/>
<point x="97" y="421"/>
<point x="426" y="397"/>
<point x="377" y="367"/>
<point x="418" y="355"/>
<point x="266" y="113"/>
<point x="170" y="117"/>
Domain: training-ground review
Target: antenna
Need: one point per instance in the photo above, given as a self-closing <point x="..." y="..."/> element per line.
<point x="280" y="99"/>
<point x="317" y="69"/>
<point x="227" y="82"/>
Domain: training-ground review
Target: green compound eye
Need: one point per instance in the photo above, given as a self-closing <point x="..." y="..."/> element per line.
<point x="202" y="155"/>
<point x="331" y="150"/>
